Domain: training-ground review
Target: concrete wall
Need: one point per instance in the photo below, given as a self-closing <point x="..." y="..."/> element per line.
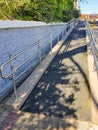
<point x="93" y="77"/>
<point x="16" y="36"/>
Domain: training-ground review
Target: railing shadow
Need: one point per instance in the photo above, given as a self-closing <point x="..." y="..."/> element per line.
<point x="50" y="97"/>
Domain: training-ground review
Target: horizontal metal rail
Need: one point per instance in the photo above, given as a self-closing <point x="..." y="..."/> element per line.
<point x="19" y="54"/>
<point x="62" y="28"/>
<point x="92" y="40"/>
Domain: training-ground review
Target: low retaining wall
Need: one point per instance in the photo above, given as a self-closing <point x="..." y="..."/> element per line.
<point x="93" y="78"/>
<point x="16" y="36"/>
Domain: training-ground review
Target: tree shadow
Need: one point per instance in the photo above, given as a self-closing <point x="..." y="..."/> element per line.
<point x="51" y="96"/>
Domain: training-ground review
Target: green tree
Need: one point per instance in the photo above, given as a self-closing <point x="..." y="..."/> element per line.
<point x="8" y="6"/>
<point x="39" y="10"/>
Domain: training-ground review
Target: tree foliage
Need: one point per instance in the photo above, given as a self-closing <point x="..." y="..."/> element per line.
<point x="39" y="10"/>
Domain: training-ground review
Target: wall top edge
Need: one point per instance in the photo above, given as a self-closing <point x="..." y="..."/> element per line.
<point x="8" y="24"/>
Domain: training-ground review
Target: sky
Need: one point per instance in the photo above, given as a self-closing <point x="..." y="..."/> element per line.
<point x="89" y="7"/>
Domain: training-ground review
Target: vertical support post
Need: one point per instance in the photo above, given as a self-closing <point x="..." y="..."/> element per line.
<point x="58" y="33"/>
<point x="13" y="74"/>
<point x="69" y="26"/>
<point x="39" y="50"/>
<point x="51" y="41"/>
<point x="65" y="30"/>
<point x="74" y="23"/>
<point x="62" y="32"/>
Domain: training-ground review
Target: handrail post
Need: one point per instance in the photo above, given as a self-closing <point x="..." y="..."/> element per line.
<point x="51" y="41"/>
<point x="58" y="33"/>
<point x="13" y="74"/>
<point x="39" y="50"/>
<point x="74" y="22"/>
<point x="69" y="26"/>
<point x="65" y="29"/>
<point x="62" y="32"/>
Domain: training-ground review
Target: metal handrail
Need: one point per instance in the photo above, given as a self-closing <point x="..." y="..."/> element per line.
<point x="24" y="50"/>
<point x="93" y="43"/>
<point x="19" y="54"/>
<point x="13" y="58"/>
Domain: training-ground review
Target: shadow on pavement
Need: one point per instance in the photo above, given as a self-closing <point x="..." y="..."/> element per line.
<point x="51" y="96"/>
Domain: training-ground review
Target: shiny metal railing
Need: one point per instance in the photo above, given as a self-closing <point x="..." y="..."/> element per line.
<point x="65" y="28"/>
<point x="93" y="43"/>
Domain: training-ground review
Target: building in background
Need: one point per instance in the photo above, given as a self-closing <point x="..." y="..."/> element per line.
<point x="90" y="17"/>
<point x="84" y="16"/>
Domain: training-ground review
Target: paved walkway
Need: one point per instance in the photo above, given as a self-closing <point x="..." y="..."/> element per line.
<point x="61" y="99"/>
<point x="63" y="90"/>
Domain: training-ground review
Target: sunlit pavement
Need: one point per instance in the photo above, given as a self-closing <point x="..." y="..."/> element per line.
<point x="61" y="99"/>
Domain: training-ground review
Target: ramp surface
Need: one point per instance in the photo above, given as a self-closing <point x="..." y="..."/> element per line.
<point x="63" y="90"/>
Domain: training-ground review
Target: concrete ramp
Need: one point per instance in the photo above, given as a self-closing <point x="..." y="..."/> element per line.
<point x="63" y="91"/>
<point x="61" y="100"/>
